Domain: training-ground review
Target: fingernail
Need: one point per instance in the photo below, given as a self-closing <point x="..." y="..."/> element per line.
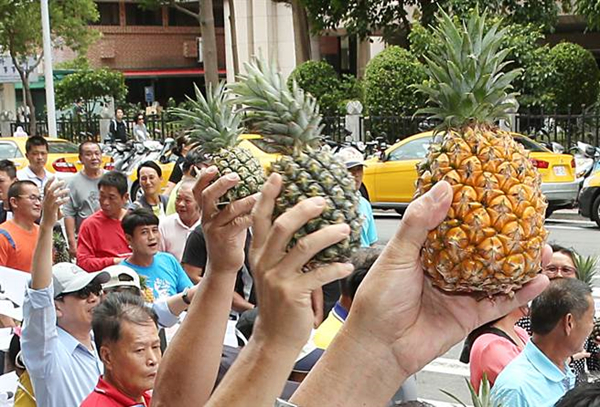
<point x="440" y="191"/>
<point x="212" y="169"/>
<point x="232" y="176"/>
<point x="319" y="201"/>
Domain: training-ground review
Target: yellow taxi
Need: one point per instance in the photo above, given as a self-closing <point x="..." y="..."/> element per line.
<point x="389" y="180"/>
<point x="263" y="157"/>
<point x="589" y="197"/>
<point x="63" y="156"/>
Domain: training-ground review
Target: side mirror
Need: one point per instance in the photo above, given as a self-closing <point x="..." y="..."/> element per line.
<point x="383" y="156"/>
<point x="163" y="159"/>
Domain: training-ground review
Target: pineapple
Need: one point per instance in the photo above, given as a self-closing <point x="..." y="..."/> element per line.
<point x="596" y="331"/>
<point x="483" y="399"/>
<point x="214" y="125"/>
<point x="147" y="293"/>
<point x="492" y="238"/>
<point x="60" y="249"/>
<point x="586" y="267"/>
<point x="289" y="122"/>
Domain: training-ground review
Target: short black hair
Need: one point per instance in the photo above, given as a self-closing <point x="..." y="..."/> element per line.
<point x="16" y="189"/>
<point x="121" y="109"/>
<point x="583" y="395"/>
<point x="138" y="217"/>
<point x="561" y="297"/>
<point x="149" y="164"/>
<point x="114" y="179"/>
<point x="556" y="248"/>
<point x="87" y="142"/>
<point x="192" y="158"/>
<point x="362" y="260"/>
<point x="34" y="141"/>
<point x="116" y="308"/>
<point x="9" y="168"/>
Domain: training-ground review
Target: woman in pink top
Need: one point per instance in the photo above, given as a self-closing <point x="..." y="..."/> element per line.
<point x="492" y="346"/>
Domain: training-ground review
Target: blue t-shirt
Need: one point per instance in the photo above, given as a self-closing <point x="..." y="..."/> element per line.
<point x="368" y="232"/>
<point x="165" y="276"/>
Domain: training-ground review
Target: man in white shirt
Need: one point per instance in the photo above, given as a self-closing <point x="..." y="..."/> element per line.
<point x="176" y="228"/>
<point x="36" y="151"/>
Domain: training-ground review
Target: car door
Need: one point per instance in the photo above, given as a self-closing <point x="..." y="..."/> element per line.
<point x="9" y="150"/>
<point x="395" y="177"/>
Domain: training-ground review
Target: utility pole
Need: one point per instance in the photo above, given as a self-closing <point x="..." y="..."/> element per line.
<point x="48" y="74"/>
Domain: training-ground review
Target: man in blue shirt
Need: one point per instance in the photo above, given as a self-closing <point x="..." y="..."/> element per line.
<point x="164" y="274"/>
<point x="562" y="318"/>
<point x="57" y="346"/>
<point x="355" y="164"/>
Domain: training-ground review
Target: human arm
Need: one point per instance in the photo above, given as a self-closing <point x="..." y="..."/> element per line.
<point x="187" y="376"/>
<point x="194" y="255"/>
<point x="86" y="253"/>
<point x="284" y="292"/>
<point x="381" y="342"/>
<point x="194" y="273"/>
<point x="70" y="229"/>
<point x="240" y="304"/>
<point x="5" y="249"/>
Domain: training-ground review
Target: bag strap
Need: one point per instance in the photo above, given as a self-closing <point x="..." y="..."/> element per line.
<point x="465" y="355"/>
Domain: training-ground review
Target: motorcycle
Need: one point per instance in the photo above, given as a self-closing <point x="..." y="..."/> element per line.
<point x="587" y="160"/>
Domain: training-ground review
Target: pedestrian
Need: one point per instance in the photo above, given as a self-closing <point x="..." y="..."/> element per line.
<point x="117" y="130"/>
<point x="193" y="162"/>
<point x="83" y="192"/>
<point x="150" y="178"/>
<point x="101" y="241"/>
<point x="140" y="132"/>
<point x="163" y="272"/>
<point x="8" y="175"/>
<point x="36" y="152"/>
<point x="184" y="146"/>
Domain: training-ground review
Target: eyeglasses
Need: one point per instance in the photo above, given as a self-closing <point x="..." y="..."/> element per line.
<point x="85" y="292"/>
<point x="564" y="270"/>
<point x="32" y="198"/>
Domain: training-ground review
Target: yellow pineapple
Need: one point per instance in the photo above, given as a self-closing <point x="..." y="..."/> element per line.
<point x="491" y="241"/>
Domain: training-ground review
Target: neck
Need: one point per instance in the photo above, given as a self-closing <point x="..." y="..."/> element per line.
<point x="37" y="171"/>
<point x="82" y="335"/>
<point x="113" y="381"/>
<point x="93" y="172"/>
<point x="23" y="222"/>
<point x="551" y="347"/>
<point x="191" y="221"/>
<point x="119" y="216"/>
<point x="152" y="199"/>
<point x="141" y="260"/>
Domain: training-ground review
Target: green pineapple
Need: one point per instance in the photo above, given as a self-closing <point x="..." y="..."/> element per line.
<point x="289" y="122"/>
<point x="214" y="125"/>
<point x="483" y="399"/>
<point x="586" y="267"/>
<point x="60" y="248"/>
<point x="146" y="291"/>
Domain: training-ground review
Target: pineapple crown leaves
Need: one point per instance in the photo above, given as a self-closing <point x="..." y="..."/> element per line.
<point x="466" y="79"/>
<point x="288" y="119"/>
<point x="483" y="399"/>
<point x="211" y="122"/>
<point x="586" y="267"/>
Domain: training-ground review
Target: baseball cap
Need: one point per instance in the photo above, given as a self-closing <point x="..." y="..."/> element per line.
<point x="351" y="157"/>
<point x="69" y="278"/>
<point x="121" y="276"/>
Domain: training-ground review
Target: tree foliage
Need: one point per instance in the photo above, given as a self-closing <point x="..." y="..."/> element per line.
<point x="90" y="86"/>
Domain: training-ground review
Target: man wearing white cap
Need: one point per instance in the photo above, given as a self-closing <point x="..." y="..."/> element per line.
<point x="57" y="345"/>
<point x="355" y="164"/>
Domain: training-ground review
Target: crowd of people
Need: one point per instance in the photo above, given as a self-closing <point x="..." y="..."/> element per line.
<point x="94" y="329"/>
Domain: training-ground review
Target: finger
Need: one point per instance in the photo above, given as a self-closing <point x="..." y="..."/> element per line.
<point x="49" y="184"/>
<point x="263" y="210"/>
<point x="320" y="276"/>
<point x="203" y="181"/>
<point x="239" y="225"/>
<point x="212" y="193"/>
<point x="238" y="208"/>
<point x="307" y="247"/>
<point x="421" y="216"/>
<point x="287" y="224"/>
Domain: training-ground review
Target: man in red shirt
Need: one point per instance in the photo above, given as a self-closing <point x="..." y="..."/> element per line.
<point x="101" y="241"/>
<point x="126" y="335"/>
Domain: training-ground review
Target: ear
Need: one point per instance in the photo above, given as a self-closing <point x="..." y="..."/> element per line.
<point x="569" y="323"/>
<point x="58" y="306"/>
<point x="12" y="202"/>
<point x="106" y="357"/>
<point x="126" y="197"/>
<point x="129" y="239"/>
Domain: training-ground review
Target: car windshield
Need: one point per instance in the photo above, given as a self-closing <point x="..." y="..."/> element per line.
<point x="62" y="147"/>
<point x="531" y="145"/>
<point x="9" y="150"/>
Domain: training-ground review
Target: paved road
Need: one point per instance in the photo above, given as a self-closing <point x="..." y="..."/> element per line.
<point x="446" y="372"/>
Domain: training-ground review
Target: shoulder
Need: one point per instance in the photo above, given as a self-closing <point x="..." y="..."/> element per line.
<point x="165" y="257"/>
<point x="94" y="219"/>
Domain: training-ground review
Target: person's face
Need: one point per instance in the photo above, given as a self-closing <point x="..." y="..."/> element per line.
<point x="140" y="120"/>
<point x="37" y="157"/>
<point x="581" y="328"/>
<point x="132" y="361"/>
<point x="149" y="181"/>
<point x="75" y="309"/>
<point x="357" y="172"/>
<point x="185" y="204"/>
<point x="561" y="266"/>
<point x="145" y="240"/>
<point x="5" y="183"/>
<point x="29" y="202"/>
<point x="111" y="202"/>
<point x="91" y="156"/>
<point x="119" y="114"/>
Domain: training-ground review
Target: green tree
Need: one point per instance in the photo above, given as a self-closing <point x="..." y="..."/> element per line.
<point x="21" y="34"/>
<point x="90" y="86"/>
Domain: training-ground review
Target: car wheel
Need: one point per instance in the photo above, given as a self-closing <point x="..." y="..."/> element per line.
<point x="136" y="191"/>
<point x="596" y="210"/>
<point x="549" y="211"/>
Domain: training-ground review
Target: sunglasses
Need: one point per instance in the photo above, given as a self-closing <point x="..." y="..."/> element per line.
<point x="85" y="292"/>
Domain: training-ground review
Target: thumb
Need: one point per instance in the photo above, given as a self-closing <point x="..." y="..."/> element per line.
<point x="421" y="216"/>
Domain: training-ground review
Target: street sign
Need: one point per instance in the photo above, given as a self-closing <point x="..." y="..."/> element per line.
<point x="149" y="93"/>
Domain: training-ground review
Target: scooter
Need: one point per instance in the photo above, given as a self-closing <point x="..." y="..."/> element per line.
<point x="587" y="160"/>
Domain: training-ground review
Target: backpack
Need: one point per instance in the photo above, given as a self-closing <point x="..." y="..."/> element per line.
<point x="465" y="355"/>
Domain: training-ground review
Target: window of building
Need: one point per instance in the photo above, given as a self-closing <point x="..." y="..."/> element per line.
<point x="109" y="14"/>
<point x="178" y="18"/>
<point x="137" y="15"/>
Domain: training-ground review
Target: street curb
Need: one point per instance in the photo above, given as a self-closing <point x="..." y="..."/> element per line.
<point x="567" y="214"/>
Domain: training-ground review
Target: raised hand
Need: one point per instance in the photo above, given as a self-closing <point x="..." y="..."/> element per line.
<point x="55" y="195"/>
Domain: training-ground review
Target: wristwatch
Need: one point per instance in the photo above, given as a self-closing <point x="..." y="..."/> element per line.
<point x="282" y="403"/>
<point x="184" y="296"/>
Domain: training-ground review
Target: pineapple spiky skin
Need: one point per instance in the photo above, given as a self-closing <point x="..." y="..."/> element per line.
<point x="242" y="162"/>
<point x="596" y="331"/>
<point x="317" y="173"/>
<point x="147" y="293"/>
<point x="492" y="238"/>
<point x="60" y="249"/>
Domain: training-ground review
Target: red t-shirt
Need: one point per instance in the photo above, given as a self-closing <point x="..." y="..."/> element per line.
<point x="100" y="240"/>
<point x="105" y="395"/>
<point x="17" y="246"/>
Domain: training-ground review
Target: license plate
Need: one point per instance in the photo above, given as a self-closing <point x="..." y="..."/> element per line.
<point x="560" y="170"/>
